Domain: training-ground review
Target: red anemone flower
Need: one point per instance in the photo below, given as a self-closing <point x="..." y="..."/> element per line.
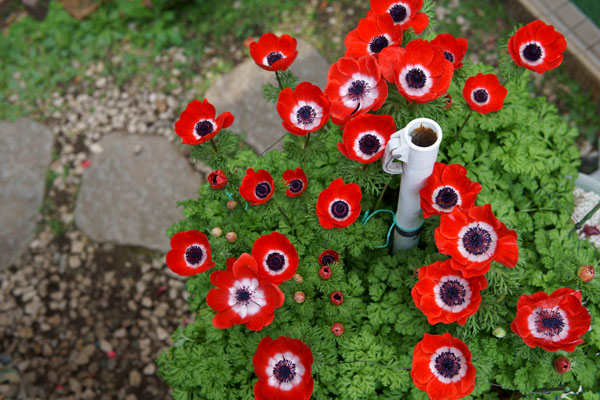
<point x="373" y="34"/>
<point x="217" y="179"/>
<point x="454" y="48"/>
<point x="303" y="110"/>
<point x="474" y="238"/>
<point x="328" y="257"/>
<point x="354" y="87"/>
<point x="366" y="136"/>
<point x="276" y="256"/>
<point x="537" y="46"/>
<point x="552" y="322"/>
<point x="446" y="188"/>
<point x="197" y="123"/>
<point x="442" y="367"/>
<point x="405" y="13"/>
<point x="284" y="369"/>
<point x="257" y="187"/>
<point x="484" y="94"/>
<point x="241" y="297"/>
<point x="274" y="53"/>
<point x="444" y="295"/>
<point x="421" y="72"/>
<point x="189" y="254"/>
<point x="339" y="205"/>
<point x="296" y="181"/>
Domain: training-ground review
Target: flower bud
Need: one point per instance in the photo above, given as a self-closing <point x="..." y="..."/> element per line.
<point x="325" y="272"/>
<point x="231" y="204"/>
<point x="298" y="279"/>
<point x="586" y="273"/>
<point x="216" y="231"/>
<point x="231" y="237"/>
<point x="499" y="332"/>
<point x="217" y="179"/>
<point x="562" y="364"/>
<point x="337" y="329"/>
<point x="336" y="298"/>
<point x="299" y="297"/>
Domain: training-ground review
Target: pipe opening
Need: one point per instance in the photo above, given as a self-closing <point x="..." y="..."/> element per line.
<point x="423" y="136"/>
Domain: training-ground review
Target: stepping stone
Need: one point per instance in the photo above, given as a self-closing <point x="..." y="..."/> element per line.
<point x="240" y="93"/>
<point x="25" y="153"/>
<point x="129" y="193"/>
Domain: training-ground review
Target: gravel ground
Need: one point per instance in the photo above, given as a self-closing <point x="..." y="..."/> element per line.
<point x="584" y="202"/>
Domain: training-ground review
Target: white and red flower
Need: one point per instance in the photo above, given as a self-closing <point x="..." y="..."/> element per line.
<point x="274" y="53"/>
<point x="284" y="369"/>
<point x="354" y="87"/>
<point x="366" y="136"/>
<point x="442" y="367"/>
<point x="197" y="123"/>
<point x="484" y="93"/>
<point x="553" y="322"/>
<point x="241" y="297"/>
<point x="257" y="187"/>
<point x="296" y="181"/>
<point x="445" y="296"/>
<point x="405" y="13"/>
<point x="446" y="188"/>
<point x="190" y="253"/>
<point x="304" y="109"/>
<point x="373" y="34"/>
<point x="338" y="206"/>
<point x="421" y="72"/>
<point x="537" y="46"/>
<point x="474" y="238"/>
<point x="276" y="256"/>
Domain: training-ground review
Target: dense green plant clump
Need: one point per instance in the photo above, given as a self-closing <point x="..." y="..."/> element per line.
<point x="525" y="159"/>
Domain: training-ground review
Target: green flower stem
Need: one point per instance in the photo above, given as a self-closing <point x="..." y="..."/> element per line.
<point x="285" y="216"/>
<point x="306" y="141"/>
<point x="380" y="197"/>
<point x="214" y="146"/>
<point x="587" y="216"/>
<point x="467" y="117"/>
<point x="279" y="80"/>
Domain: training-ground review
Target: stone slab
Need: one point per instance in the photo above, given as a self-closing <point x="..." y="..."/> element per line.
<point x="25" y="153"/>
<point x="240" y="92"/>
<point x="570" y="15"/>
<point x="588" y="32"/>
<point x="129" y="193"/>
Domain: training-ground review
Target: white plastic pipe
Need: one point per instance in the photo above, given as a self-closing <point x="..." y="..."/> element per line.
<point x="403" y="156"/>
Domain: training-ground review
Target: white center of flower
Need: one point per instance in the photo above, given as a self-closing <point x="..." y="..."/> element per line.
<point x="306" y="115"/>
<point x="245" y="297"/>
<point x="275" y="262"/>
<point x="400" y="12"/>
<point x="445" y="198"/>
<point x="477" y="241"/>
<point x="448" y="364"/>
<point x="359" y="91"/>
<point x="195" y="255"/>
<point x="415" y="79"/>
<point x="452" y="293"/>
<point x="368" y="144"/>
<point x="284" y="371"/>
<point x="548" y="323"/>
<point x="532" y="53"/>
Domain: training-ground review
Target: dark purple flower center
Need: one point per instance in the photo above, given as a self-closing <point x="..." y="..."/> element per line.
<point x="213" y="179"/>
<point x="262" y="190"/>
<point x="194" y="254"/>
<point x="337" y="297"/>
<point x="398" y="13"/>
<point x="296" y="185"/>
<point x="327" y="259"/>
<point x="275" y="261"/>
<point x="340" y="209"/>
<point x="447" y="364"/>
<point x="369" y="144"/>
<point x="480" y="95"/>
<point x="532" y="52"/>
<point x="449" y="56"/>
<point x="477" y="240"/>
<point x="284" y="371"/>
<point x="453" y="293"/>
<point x="306" y="115"/>
<point x="378" y="43"/>
<point x="273" y="56"/>
<point x="358" y="89"/>
<point x="446" y="198"/>
<point x="549" y="322"/>
<point x="243" y="295"/>
<point x="203" y="128"/>
<point x="416" y="78"/>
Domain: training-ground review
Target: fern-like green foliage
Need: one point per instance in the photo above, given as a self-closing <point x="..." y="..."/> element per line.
<point x="526" y="161"/>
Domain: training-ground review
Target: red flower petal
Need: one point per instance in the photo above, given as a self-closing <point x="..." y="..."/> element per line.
<point x="284" y="48"/>
<point x="276" y="257"/>
<point x="190" y="253"/>
<point x="303" y="110"/>
<point x="484" y="94"/>
<point x="366" y="136"/>
<point x="257" y="187"/>
<point x="537" y="46"/>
